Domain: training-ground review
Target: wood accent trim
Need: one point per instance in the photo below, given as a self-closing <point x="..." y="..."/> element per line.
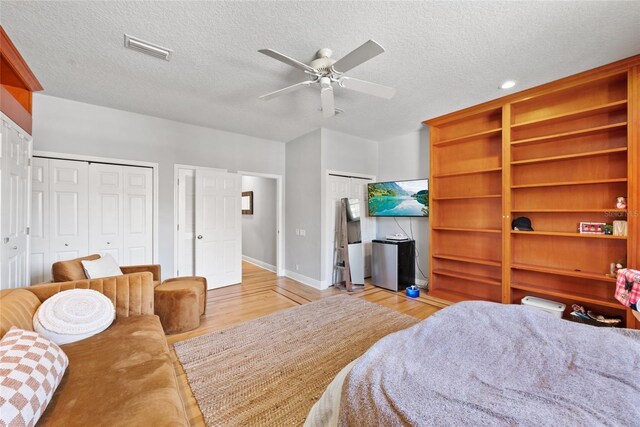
<point x="633" y="151"/>
<point x="617" y="67"/>
<point x="433" y="138"/>
<point x="18" y="64"/>
<point x="506" y="204"/>
<point x="14" y="110"/>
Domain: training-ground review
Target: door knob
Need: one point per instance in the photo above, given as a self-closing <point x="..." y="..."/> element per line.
<point x="199" y="236"/>
<point x="14" y="248"/>
<point x="108" y="243"/>
<point x="66" y="244"/>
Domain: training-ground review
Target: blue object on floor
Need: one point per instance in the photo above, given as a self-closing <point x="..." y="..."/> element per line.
<point x="413" y="292"/>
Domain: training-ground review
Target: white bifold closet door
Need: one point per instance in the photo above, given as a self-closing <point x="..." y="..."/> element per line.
<point x="80" y="208"/>
<point x="120" y="212"/>
<point x="339" y="187"/>
<point x="15" y="152"/>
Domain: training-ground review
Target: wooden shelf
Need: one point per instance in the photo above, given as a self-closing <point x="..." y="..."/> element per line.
<point x="571" y="156"/>
<point x="453" y="296"/>
<point x="471" y="172"/>
<point x="569" y="210"/>
<point x="469" y="137"/>
<point x="576" y="296"/>
<point x="560" y="272"/>
<point x="472" y="230"/>
<point x="565" y="135"/>
<point x="484" y="196"/>
<point x="576" y="234"/>
<point x="563" y="183"/>
<point x="467" y="277"/>
<point x="468" y="260"/>
<point x="604" y="108"/>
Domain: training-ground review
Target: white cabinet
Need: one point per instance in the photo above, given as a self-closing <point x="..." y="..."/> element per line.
<point x="81" y="208"/>
<point x="15" y="152"/>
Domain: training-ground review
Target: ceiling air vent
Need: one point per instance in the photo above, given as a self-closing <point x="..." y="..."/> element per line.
<point x="146" y="47"/>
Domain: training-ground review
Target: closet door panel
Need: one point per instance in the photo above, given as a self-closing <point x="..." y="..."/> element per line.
<point x="138" y="215"/>
<point x="40" y="257"/>
<point x="69" y="209"/>
<point x="16" y="151"/>
<point x="106" y="210"/>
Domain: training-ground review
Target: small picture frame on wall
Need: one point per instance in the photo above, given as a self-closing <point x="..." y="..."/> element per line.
<point x="247" y="203"/>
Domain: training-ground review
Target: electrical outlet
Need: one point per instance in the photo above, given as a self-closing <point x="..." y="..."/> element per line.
<point x="303" y="232"/>
<point x="297" y="267"/>
<point x="297" y="231"/>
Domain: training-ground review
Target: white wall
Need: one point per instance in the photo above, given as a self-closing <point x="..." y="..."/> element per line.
<point x="259" y="231"/>
<point x="400" y="158"/>
<point x="66" y="126"/>
<point x="348" y="153"/>
<point x="303" y="207"/>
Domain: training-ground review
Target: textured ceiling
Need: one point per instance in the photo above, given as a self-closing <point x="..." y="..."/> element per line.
<point x="441" y="56"/>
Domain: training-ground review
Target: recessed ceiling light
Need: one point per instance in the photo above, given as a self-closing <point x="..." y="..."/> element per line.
<point x="142" y="46"/>
<point x="508" y="84"/>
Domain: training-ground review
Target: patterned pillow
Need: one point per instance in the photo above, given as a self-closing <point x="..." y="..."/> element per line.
<point x="31" y="368"/>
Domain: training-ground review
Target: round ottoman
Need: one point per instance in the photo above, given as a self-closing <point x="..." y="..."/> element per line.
<point x="180" y="302"/>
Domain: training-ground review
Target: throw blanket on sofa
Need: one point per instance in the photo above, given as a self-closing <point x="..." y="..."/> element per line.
<point x="478" y="363"/>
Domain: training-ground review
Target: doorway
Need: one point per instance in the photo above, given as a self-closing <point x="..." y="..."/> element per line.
<point x="260" y="221"/>
<point x="217" y="245"/>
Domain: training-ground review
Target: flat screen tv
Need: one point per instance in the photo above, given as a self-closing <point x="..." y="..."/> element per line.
<point x="399" y="198"/>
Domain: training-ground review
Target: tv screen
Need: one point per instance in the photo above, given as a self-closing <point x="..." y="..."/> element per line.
<point x="399" y="198"/>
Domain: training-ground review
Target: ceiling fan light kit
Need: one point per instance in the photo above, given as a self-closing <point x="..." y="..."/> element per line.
<point x="325" y="72"/>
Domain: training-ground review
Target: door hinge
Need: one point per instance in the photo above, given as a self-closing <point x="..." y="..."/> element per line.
<point x="178" y="181"/>
<point x="178" y="227"/>
<point x="29" y="162"/>
<point x="177" y="273"/>
<point x="28" y="231"/>
<point x="5" y="240"/>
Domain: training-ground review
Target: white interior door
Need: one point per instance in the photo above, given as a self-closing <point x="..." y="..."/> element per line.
<point x="218" y="227"/>
<point x="40" y="255"/>
<point x="186" y="222"/>
<point x="106" y="210"/>
<point x="69" y="209"/>
<point x="138" y="215"/>
<point x="15" y="193"/>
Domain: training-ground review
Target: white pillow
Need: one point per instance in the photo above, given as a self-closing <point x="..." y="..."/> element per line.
<point x="73" y="315"/>
<point x="104" y="266"/>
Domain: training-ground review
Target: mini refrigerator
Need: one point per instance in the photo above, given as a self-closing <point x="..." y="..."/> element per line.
<point x="393" y="264"/>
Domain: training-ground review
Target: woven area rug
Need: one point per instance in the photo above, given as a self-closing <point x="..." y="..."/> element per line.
<point x="270" y="371"/>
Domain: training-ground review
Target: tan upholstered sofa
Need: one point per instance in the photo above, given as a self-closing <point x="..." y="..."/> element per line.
<point x="66" y="271"/>
<point x="121" y="377"/>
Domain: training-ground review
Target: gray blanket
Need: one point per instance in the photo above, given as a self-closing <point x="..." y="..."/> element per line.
<point x="486" y="364"/>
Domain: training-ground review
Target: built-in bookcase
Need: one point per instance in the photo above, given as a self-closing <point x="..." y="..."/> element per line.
<point x="466" y="208"/>
<point x="559" y="154"/>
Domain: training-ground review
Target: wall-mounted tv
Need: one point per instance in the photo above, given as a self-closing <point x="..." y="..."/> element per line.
<point x="399" y="198"/>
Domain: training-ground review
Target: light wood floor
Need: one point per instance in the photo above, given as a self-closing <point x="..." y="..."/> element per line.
<point x="261" y="293"/>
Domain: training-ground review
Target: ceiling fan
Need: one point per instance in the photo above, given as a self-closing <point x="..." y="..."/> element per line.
<point x="325" y="72"/>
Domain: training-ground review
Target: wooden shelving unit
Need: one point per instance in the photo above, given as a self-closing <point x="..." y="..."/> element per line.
<point x="558" y="154"/>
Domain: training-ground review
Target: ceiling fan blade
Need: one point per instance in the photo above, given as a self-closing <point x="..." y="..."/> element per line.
<point x="328" y="104"/>
<point x="290" y="61"/>
<point x="288" y="89"/>
<point x="357" y="56"/>
<point x="367" y="87"/>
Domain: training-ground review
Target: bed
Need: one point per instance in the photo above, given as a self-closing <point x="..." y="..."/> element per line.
<point x="491" y="365"/>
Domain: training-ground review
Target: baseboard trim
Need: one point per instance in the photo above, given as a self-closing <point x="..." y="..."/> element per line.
<point x="259" y="263"/>
<point x="316" y="284"/>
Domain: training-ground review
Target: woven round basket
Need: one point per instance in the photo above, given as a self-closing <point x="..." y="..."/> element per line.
<point x="76" y="311"/>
